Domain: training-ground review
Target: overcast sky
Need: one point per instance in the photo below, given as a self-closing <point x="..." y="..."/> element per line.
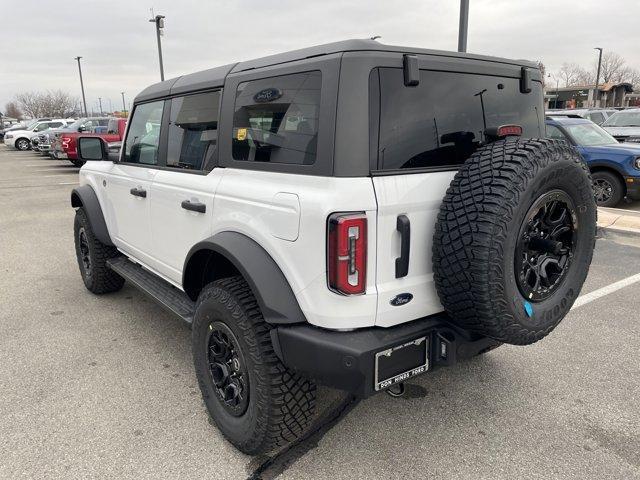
<point x="39" y="39"/>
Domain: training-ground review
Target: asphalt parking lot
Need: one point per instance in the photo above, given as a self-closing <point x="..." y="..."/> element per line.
<point x="103" y="387"/>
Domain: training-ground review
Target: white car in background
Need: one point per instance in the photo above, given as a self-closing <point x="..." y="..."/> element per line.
<point x="624" y="125"/>
<point x="21" y="139"/>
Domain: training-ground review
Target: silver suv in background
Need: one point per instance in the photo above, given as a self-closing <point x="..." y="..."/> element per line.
<point x="596" y="115"/>
<point x="624" y="124"/>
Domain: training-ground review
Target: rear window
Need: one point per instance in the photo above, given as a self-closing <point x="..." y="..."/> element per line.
<point x="276" y="119"/>
<point x="112" y="126"/>
<point x="442" y="121"/>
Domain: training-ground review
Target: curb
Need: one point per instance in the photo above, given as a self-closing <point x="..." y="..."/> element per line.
<point x="618" y="223"/>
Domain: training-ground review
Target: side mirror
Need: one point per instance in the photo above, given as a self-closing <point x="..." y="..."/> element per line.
<point x="82" y="128"/>
<point x="92" y="149"/>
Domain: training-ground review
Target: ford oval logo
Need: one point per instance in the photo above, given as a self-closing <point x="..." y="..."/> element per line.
<point x="401" y="299"/>
<point x="267" y="95"/>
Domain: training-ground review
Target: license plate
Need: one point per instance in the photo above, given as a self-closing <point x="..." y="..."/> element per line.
<point x="401" y="362"/>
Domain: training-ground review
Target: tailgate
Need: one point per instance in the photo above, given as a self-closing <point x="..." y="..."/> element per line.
<point x="417" y="198"/>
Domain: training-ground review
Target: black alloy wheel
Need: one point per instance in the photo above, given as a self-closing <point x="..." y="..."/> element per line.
<point x="603" y="190"/>
<point x="546" y="245"/>
<point x="85" y="255"/>
<point x="227" y="369"/>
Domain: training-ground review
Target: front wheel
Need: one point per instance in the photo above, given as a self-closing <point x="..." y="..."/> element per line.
<point x="22" y="144"/>
<point x="608" y="188"/>
<point x="256" y="402"/>
<point x="92" y="257"/>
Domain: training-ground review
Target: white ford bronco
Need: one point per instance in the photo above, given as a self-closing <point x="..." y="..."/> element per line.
<point x="351" y="215"/>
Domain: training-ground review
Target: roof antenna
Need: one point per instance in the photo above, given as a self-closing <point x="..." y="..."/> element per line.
<point x="375" y="37"/>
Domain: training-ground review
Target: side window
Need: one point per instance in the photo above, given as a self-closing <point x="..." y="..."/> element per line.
<point x="141" y="145"/>
<point x="276" y="119"/>
<point x="41" y="127"/>
<point x="554" y="132"/>
<point x="55" y="124"/>
<point x="442" y="121"/>
<point x="193" y="131"/>
<point x="103" y="122"/>
<point x="596" y="117"/>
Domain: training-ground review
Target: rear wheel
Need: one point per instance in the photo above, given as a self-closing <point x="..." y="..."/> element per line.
<point x="256" y="402"/>
<point x="514" y="239"/>
<point x="608" y="188"/>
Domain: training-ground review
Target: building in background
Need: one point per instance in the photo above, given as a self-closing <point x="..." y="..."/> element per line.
<point x="611" y="95"/>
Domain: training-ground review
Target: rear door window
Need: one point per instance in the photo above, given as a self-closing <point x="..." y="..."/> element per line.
<point x="193" y="131"/>
<point x="442" y="121"/>
<point x="276" y="119"/>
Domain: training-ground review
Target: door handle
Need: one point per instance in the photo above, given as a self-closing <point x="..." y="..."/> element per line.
<point x="403" y="226"/>
<point x="138" y="192"/>
<point x="194" y="206"/>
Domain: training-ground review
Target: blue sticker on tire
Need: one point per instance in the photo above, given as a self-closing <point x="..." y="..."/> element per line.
<point x="528" y="308"/>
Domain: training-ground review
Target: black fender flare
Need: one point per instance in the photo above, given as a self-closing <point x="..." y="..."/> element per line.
<point x="273" y="293"/>
<point x="85" y="197"/>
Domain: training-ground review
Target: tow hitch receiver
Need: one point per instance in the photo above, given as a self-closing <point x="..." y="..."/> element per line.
<point x="398" y="364"/>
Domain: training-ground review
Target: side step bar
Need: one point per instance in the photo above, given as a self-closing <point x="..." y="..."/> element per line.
<point x="168" y="296"/>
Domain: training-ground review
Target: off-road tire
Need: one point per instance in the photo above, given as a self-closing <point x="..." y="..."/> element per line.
<point x="617" y="187"/>
<point x="98" y="278"/>
<point x="281" y="404"/>
<point x="478" y="228"/>
<point x="22" y="144"/>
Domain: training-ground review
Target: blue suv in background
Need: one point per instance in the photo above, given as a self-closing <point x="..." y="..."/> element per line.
<point x="615" y="167"/>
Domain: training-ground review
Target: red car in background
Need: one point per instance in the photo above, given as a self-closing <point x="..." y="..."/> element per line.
<point x="65" y="145"/>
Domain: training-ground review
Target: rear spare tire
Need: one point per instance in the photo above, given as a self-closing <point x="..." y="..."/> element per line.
<point x="514" y="239"/>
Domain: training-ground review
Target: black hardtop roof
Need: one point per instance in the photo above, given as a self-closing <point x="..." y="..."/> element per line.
<point x="216" y="76"/>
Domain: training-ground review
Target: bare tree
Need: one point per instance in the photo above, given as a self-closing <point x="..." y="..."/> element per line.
<point x="12" y="110"/>
<point x="543" y="71"/>
<point x="584" y="77"/>
<point x="569" y="74"/>
<point x="633" y="77"/>
<point x="613" y="68"/>
<point x="52" y="103"/>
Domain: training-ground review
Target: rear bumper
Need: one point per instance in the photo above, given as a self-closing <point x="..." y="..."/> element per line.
<point x="346" y="360"/>
<point x="633" y="187"/>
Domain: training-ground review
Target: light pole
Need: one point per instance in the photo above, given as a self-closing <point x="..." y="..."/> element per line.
<point x="596" y="93"/>
<point x="464" y="25"/>
<point x="84" y="100"/>
<point x="100" y="103"/>
<point x="555" y="100"/>
<point x="124" y="107"/>
<point x="159" y="21"/>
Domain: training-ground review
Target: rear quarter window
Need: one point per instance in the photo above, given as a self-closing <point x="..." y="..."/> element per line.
<point x="276" y="119"/>
<point x="442" y="121"/>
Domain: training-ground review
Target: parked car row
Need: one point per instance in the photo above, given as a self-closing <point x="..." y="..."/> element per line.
<point x="596" y="115"/>
<point x="614" y="166"/>
<point x="57" y="137"/>
<point x="20" y="138"/>
<point x="623" y="125"/>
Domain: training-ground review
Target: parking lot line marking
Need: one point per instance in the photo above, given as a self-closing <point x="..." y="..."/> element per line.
<point x="601" y="292"/>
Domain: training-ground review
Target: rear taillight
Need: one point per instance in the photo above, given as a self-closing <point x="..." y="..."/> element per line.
<point x="347" y="253"/>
